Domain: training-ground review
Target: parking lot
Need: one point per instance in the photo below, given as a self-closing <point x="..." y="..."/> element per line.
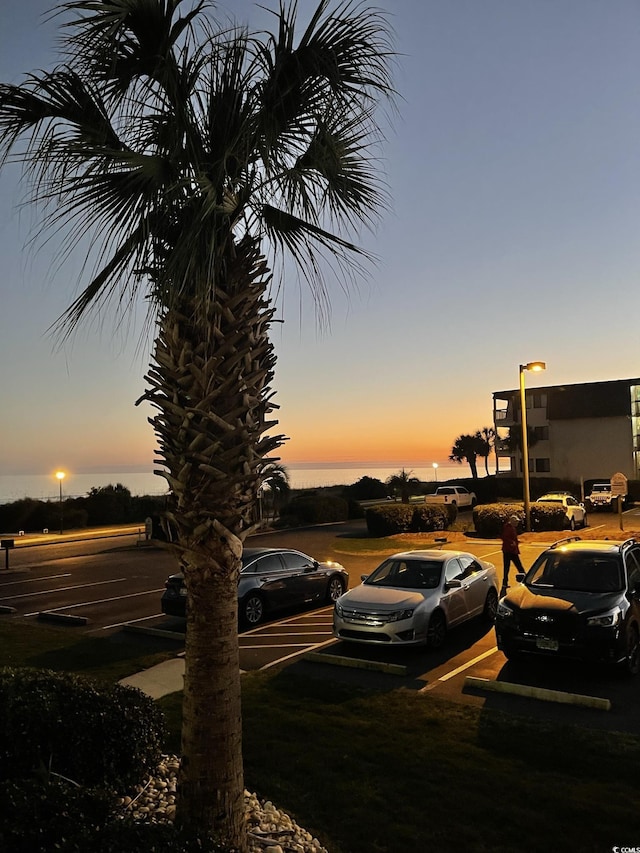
<point x="114" y="584"/>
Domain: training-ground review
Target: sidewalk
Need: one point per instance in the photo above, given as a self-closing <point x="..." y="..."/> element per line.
<point x="160" y="680"/>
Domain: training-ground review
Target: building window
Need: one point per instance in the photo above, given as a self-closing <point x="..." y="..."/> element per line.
<point x="543" y="466"/>
<point x="541" y="433"/>
<point x="536" y="401"/>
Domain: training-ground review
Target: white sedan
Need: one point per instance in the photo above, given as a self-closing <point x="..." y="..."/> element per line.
<point x="413" y="598"/>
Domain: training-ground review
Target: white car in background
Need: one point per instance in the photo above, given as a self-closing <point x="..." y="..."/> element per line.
<point x="575" y="512"/>
<point x="414" y="597"/>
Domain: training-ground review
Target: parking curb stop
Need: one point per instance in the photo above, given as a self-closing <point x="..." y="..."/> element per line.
<point x="356" y="663"/>
<point x="48" y="616"/>
<point x="542" y="693"/>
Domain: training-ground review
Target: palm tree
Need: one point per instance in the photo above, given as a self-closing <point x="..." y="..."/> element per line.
<point x="467" y="448"/>
<point x="177" y="147"/>
<point x="275" y="478"/>
<point x="402" y="482"/>
<point x="488" y="438"/>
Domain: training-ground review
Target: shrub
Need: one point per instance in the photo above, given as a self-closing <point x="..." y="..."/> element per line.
<point x="316" y="509"/>
<point x="389" y="519"/>
<point x="429" y="517"/>
<point x="489" y="519"/>
<point x="547" y="517"/>
<point x="41" y="816"/>
<point x="365" y="489"/>
<point x="93" y="734"/>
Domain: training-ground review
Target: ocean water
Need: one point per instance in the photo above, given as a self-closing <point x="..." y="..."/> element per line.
<point x="45" y="487"/>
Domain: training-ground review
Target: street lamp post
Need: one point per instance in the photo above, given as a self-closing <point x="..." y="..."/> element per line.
<point x="535" y="366"/>
<point x="60" y="476"/>
<point x="435" y="470"/>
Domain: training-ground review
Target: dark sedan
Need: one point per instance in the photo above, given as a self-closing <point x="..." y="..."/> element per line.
<point x="271" y="579"/>
<point x="580" y="600"/>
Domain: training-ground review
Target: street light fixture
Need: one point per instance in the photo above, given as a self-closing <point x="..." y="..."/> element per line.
<point x="534" y="366"/>
<point x="60" y="476"/>
<point x="435" y="470"/>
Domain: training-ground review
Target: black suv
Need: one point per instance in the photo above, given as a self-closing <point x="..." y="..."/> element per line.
<point x="580" y="600"/>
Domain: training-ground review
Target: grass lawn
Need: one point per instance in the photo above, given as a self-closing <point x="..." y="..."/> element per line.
<point x="395" y="771"/>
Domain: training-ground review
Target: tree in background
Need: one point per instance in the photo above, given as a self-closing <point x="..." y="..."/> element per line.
<point x="173" y="146"/>
<point x="366" y="489"/>
<point x="488" y="438"/>
<point x="402" y="483"/>
<point x="275" y="488"/>
<point x="467" y="448"/>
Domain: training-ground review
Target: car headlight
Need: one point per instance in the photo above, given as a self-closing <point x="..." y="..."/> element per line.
<point x="338" y="608"/>
<point x="504" y="611"/>
<point x="399" y="615"/>
<point x="606" y="620"/>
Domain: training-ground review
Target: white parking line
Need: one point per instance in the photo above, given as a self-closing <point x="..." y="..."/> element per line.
<point x="457" y="671"/>
<point x="37" y="580"/>
<point x="127" y="622"/>
<point x="99" y="601"/>
<point x="66" y="588"/>
<point x="297" y="654"/>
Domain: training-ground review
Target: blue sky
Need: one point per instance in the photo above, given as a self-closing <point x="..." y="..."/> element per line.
<point x="513" y="164"/>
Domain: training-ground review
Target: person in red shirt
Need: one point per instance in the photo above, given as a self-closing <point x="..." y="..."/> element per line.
<point x="510" y="549"/>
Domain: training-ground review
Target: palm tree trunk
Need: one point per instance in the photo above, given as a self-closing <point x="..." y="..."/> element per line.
<point x="210" y="382"/>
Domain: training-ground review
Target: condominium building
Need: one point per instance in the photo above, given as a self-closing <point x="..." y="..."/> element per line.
<point x="575" y="432"/>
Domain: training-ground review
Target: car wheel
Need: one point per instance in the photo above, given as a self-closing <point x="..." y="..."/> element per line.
<point x="572" y="523"/>
<point x="490" y="606"/>
<point x="252" y="609"/>
<point x="632" y="660"/>
<point x="437" y="630"/>
<point x="335" y="589"/>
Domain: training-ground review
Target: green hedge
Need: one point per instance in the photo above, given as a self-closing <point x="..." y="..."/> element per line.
<point x="547" y="517"/>
<point x="91" y="733"/>
<point x="489" y="519"/>
<point x="389" y="519"/>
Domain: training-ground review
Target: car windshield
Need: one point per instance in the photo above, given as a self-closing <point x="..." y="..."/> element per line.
<point x="407" y="574"/>
<point x="579" y="572"/>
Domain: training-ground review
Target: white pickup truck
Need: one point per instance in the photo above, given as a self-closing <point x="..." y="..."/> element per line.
<point x="455" y="495"/>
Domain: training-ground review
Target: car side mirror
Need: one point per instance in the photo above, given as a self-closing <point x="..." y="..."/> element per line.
<point x="520" y="577"/>
<point x="363" y="578"/>
<point x="453" y="584"/>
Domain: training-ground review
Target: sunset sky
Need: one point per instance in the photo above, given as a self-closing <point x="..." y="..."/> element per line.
<point x="513" y="164"/>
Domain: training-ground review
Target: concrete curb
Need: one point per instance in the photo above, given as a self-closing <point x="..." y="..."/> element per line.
<point x="48" y="616"/>
<point x="154" y="632"/>
<point x="538" y="693"/>
<point x="355" y="663"/>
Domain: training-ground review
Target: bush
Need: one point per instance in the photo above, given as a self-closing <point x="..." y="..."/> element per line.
<point x="489" y="519"/>
<point x="366" y="489"/>
<point x="41" y="816"/>
<point x="93" y="734"/>
<point x="547" y="517"/>
<point x="315" y="509"/>
<point x="389" y="519"/>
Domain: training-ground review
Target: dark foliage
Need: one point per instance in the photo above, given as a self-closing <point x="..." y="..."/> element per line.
<point x="366" y="489"/>
<point x="91" y="733"/>
<point x="104" y="505"/>
<point x="389" y="519"/>
<point x="315" y="508"/>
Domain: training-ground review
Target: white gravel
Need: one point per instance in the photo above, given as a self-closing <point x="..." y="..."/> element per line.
<point x="270" y="829"/>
